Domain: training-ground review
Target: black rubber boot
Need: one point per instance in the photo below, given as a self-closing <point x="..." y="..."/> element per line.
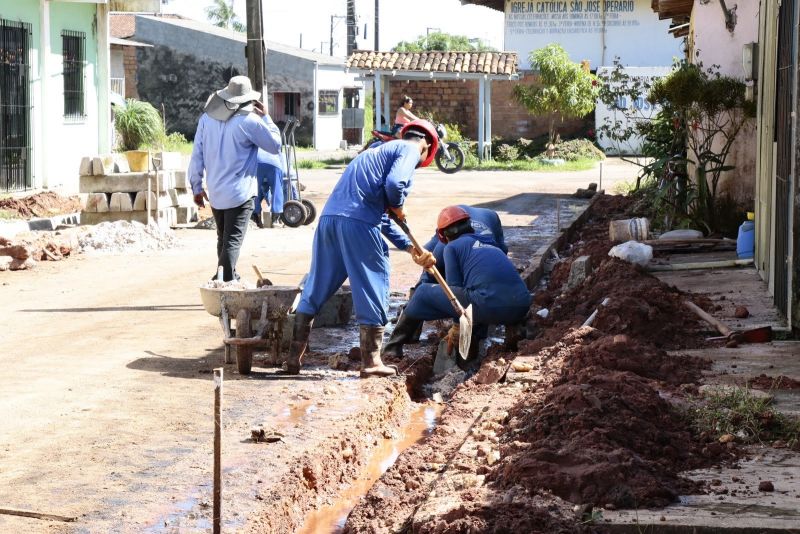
<point x="371" y="339"/>
<point x="302" y="330"/>
<point x="403" y="333"/>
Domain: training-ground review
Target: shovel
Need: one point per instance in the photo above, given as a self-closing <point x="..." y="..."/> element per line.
<point x="465" y="315"/>
<point x="755" y="335"/>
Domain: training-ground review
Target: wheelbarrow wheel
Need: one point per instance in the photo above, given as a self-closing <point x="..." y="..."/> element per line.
<point x="244" y="355"/>
<point x="311" y="210"/>
<point x="294" y="213"/>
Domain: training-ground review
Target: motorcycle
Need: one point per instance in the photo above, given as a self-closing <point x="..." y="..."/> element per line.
<point x="449" y="157"/>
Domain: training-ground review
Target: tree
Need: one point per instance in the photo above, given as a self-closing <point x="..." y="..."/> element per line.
<point x="443" y="42"/>
<point x="564" y="88"/>
<point x="221" y="14"/>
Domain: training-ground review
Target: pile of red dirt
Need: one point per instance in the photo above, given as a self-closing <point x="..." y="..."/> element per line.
<point x="45" y="204"/>
<point x="23" y="253"/>
<point x="768" y="383"/>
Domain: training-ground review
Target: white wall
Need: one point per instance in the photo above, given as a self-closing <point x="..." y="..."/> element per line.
<point x="329" y="127"/>
<point x="594" y="30"/>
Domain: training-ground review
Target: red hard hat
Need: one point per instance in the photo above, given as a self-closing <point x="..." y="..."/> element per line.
<point x="447" y="217"/>
<point x="421" y="125"/>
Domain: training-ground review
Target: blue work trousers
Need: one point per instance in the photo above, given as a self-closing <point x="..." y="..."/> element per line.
<point x="430" y="302"/>
<point x="270" y="188"/>
<point x="348" y="248"/>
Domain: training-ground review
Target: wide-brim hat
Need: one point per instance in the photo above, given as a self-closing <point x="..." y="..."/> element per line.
<point x="239" y="91"/>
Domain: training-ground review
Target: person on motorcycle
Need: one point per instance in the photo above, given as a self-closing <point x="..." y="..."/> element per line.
<point x="403" y="115"/>
<point x="348" y="243"/>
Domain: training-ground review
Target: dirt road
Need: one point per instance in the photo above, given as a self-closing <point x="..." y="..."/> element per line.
<point x="107" y="397"/>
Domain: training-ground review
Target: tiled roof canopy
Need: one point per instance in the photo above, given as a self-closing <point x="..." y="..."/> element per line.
<point x="499" y="5"/>
<point x="495" y="63"/>
<point x="122" y="25"/>
<point x="678" y="10"/>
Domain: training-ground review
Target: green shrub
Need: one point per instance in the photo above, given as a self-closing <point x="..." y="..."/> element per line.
<point x="139" y="124"/>
<point x="506" y="152"/>
<point x="576" y="149"/>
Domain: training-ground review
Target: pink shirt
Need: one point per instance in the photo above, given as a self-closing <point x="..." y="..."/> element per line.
<point x="399" y="118"/>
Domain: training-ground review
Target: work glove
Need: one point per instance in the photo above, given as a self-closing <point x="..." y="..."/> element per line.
<point x="200" y="198"/>
<point x="423" y="258"/>
<point x="452" y="337"/>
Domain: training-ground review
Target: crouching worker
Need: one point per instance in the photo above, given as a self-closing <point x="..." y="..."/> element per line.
<point x="478" y="272"/>
<point x="485" y="222"/>
<point x="348" y="242"/>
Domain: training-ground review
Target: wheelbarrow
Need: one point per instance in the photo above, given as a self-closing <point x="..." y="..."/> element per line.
<point x="260" y="316"/>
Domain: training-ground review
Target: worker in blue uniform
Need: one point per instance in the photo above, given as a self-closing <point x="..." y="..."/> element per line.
<point x="270" y="172"/>
<point x="485" y="222"/>
<point x="348" y="242"/>
<point x="478" y="272"/>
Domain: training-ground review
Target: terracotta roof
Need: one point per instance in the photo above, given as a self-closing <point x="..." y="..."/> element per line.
<point x="678" y="10"/>
<point x="122" y="25"/>
<point x="498" y="63"/>
<point x="499" y="5"/>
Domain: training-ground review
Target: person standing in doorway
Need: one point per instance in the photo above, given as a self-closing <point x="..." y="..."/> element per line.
<point x="233" y="126"/>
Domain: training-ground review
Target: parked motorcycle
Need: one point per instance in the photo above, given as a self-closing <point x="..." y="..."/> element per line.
<point x="449" y="157"/>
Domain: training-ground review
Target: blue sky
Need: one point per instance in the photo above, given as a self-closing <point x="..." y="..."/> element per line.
<point x="401" y="20"/>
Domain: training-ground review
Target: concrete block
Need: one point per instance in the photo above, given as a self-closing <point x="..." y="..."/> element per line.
<point x="185" y="199"/>
<point x="117" y="183"/>
<point x="121" y="163"/>
<point x="102" y="165"/>
<point x="578" y="271"/>
<point x="182" y="180"/>
<point x="96" y="203"/>
<point x="164" y="161"/>
<point x="186" y="215"/>
<point x="120" y="202"/>
<point x="166" y="217"/>
<point x="86" y="166"/>
<point x="156" y="202"/>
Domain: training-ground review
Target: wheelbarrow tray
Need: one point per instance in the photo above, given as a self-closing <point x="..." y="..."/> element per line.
<point x="276" y="297"/>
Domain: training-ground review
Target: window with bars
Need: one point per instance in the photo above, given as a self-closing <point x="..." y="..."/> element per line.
<point x="328" y="102"/>
<point x="73" y="54"/>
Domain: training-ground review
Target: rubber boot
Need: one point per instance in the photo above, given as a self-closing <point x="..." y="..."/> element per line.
<point x="302" y="329"/>
<point x="403" y="333"/>
<point x="371" y="339"/>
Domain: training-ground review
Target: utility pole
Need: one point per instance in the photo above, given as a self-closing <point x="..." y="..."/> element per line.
<point x="377" y="24"/>
<point x="351" y="27"/>
<point x="331" y="41"/>
<point x="255" y="50"/>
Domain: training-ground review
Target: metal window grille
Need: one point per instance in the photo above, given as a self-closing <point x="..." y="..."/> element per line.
<point x="15" y="147"/>
<point x="74" y="54"/>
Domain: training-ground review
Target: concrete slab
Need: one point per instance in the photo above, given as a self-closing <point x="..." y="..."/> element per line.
<point x="126" y="182"/>
<point x="734" y="503"/>
<point x="729" y="288"/>
<point x="166" y="217"/>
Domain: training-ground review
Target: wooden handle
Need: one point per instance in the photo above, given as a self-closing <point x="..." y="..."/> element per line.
<point x="258" y="272"/>
<point x="724" y="330"/>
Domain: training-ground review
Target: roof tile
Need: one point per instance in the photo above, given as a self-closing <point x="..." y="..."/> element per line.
<point x="502" y="63"/>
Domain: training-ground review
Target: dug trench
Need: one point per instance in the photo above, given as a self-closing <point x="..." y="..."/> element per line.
<point x="573" y="420"/>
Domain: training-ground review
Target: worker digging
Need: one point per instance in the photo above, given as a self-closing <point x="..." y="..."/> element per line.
<point x="348" y="242"/>
<point x="479" y="274"/>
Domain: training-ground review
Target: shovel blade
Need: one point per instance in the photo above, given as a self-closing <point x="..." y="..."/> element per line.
<point x="465" y="332"/>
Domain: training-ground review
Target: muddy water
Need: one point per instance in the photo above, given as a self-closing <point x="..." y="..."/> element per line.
<point x="331" y="519"/>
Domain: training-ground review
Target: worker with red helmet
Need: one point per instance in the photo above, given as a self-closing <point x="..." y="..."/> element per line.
<point x="484" y="222"/>
<point x="348" y="243"/>
<point x="478" y="272"/>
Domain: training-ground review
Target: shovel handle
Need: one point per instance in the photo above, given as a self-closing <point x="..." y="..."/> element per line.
<point x="722" y="328"/>
<point x="432" y="270"/>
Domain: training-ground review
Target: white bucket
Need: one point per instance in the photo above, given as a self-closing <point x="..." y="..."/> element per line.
<point x="636" y="229"/>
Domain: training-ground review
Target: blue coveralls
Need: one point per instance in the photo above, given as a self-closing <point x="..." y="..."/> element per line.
<point x="484" y="222"/>
<point x="479" y="273"/>
<point x="348" y="243"/>
<point x="271" y="168"/>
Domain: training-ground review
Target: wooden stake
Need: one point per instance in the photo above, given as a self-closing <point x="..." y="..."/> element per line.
<point x="217" y="524"/>
<point x="37" y="515"/>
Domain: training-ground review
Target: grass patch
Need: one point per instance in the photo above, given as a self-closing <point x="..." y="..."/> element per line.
<point x="6" y="215"/>
<point x="751" y="419"/>
<point x="529" y="165"/>
<point x="321" y="164"/>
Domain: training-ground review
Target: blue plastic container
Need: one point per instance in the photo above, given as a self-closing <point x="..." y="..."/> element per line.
<point x="745" y="242"/>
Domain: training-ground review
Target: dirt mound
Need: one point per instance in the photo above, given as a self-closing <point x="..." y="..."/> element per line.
<point x="45" y="204"/>
<point x="768" y="383"/>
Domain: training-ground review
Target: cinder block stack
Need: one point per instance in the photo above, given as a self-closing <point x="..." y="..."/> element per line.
<point x="114" y="193"/>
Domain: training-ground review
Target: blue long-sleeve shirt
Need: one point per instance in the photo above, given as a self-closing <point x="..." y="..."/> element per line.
<point x="376" y="179"/>
<point x="475" y="263"/>
<point x="227" y="152"/>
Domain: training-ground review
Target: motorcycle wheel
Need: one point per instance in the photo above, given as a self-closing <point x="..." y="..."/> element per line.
<point x="294" y="213"/>
<point x="311" y="211"/>
<point x="456" y="161"/>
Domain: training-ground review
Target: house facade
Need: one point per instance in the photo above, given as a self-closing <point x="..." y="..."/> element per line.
<point x="54" y="91"/>
<point x="179" y="62"/>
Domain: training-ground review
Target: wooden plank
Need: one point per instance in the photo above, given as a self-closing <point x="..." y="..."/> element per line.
<point x="37" y="515"/>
